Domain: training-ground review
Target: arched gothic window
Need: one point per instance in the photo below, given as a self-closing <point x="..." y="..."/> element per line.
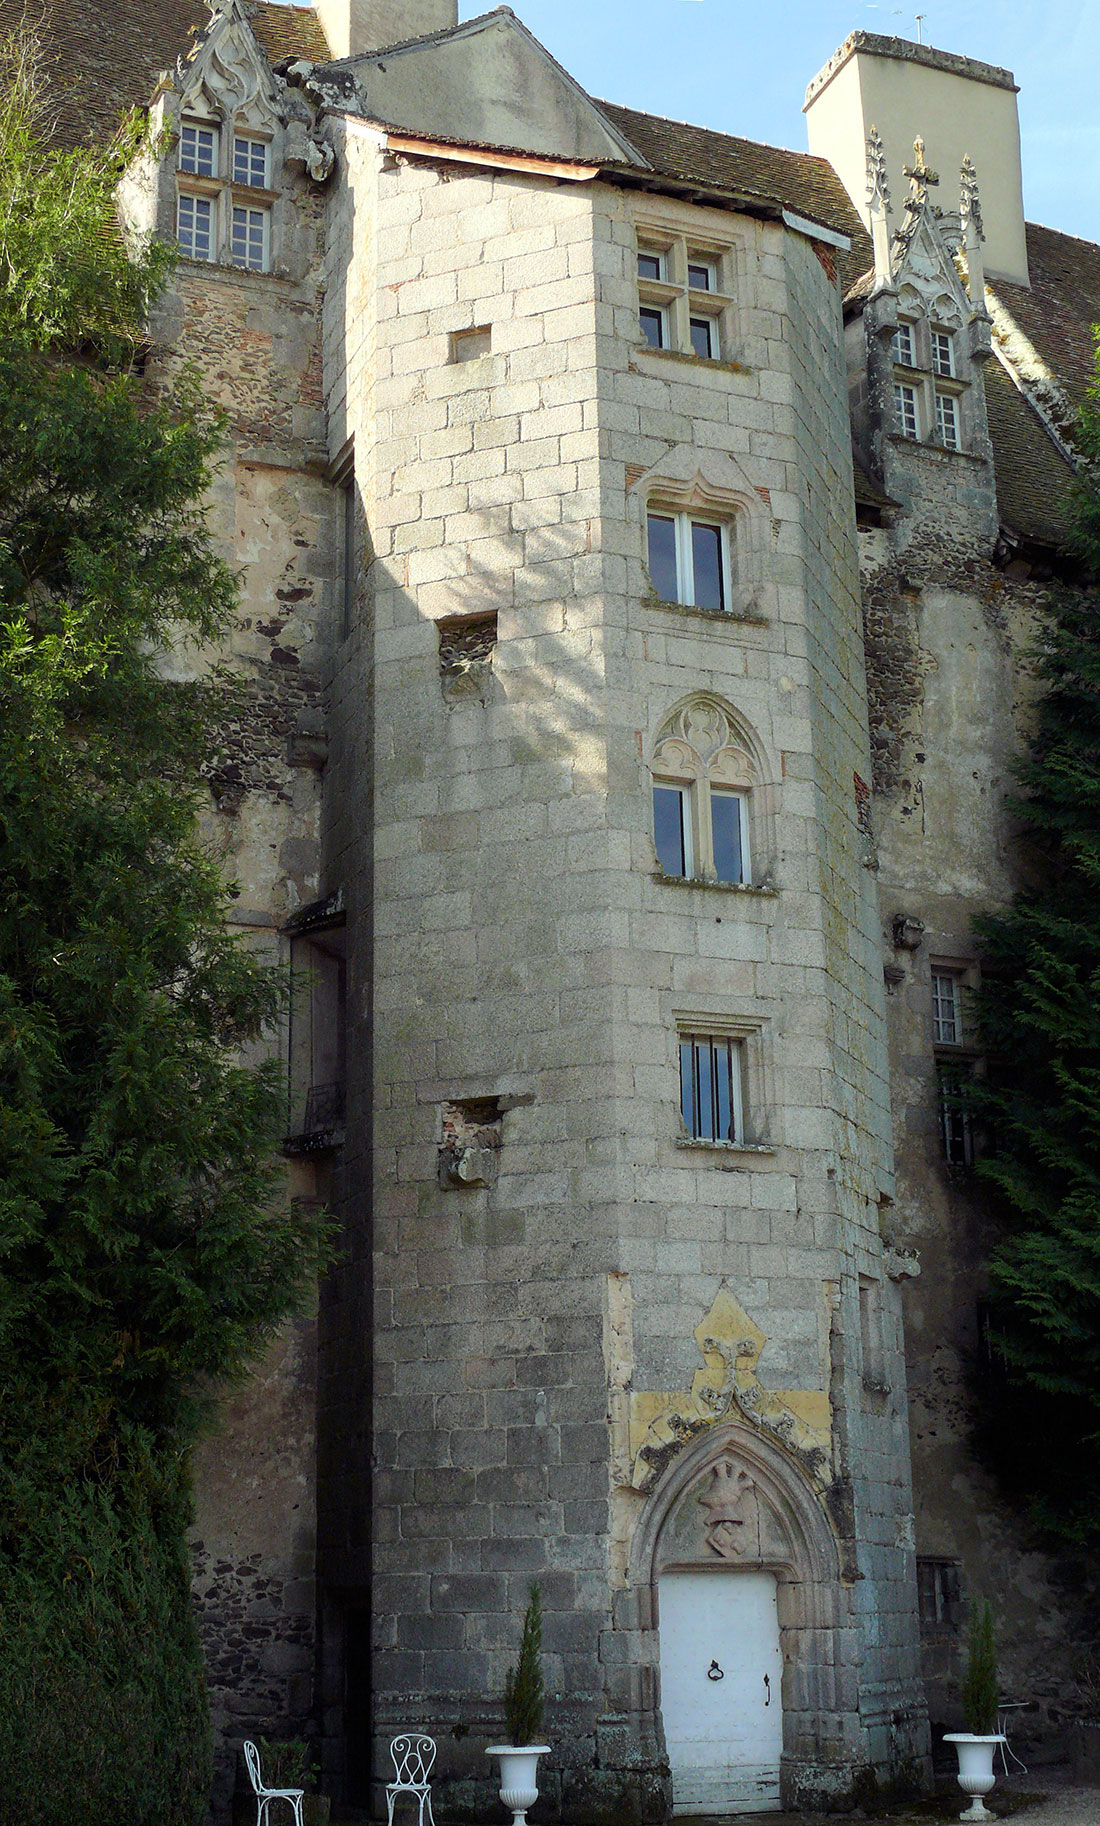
<point x="709" y="796"/>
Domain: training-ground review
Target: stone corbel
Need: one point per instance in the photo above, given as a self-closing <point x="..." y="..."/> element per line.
<point x="900" y="1264"/>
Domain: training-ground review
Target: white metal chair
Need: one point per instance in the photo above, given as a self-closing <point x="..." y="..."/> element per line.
<point x="412" y="1765"/>
<point x="264" y="1796"/>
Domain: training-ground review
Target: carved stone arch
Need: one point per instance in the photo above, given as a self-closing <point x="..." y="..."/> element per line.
<point x="705" y="741"/>
<point x="735" y="1501"/>
<point x="946" y="309"/>
<point x="230" y="71"/>
<point x="714" y="483"/>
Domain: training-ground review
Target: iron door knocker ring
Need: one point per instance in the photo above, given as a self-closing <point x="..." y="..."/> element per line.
<point x="714" y="1672"/>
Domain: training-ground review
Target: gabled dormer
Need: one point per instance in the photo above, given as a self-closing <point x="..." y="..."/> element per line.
<point x="230" y="140"/>
<point x="918" y="338"/>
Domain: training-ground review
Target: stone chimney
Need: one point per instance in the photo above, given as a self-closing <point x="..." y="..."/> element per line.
<point x="353" y="26"/>
<point x="960" y="108"/>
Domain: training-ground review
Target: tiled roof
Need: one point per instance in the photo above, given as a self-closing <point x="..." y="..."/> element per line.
<point x="806" y="185"/>
<point x="103" y="60"/>
<point x="1058" y="313"/>
<point x="1033" y="477"/>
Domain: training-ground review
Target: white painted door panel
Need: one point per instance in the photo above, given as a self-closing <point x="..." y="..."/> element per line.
<point x="721" y="1672"/>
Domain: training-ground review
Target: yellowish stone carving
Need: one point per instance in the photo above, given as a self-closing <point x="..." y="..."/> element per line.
<point x="730" y="1344"/>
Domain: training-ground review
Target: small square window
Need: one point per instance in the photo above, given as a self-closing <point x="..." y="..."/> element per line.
<point x="672" y="829"/>
<point x="195" y="226"/>
<point x="711" y="1096"/>
<point x="701" y="276"/>
<point x="947" y="421"/>
<point x="703" y="338"/>
<point x="943" y="357"/>
<point x="905" y="400"/>
<point x="198" y="149"/>
<point x="249" y="161"/>
<point x="471" y="345"/>
<point x="651" y="264"/>
<point x="250" y="237"/>
<point x="938" y="1592"/>
<point x="903" y="345"/>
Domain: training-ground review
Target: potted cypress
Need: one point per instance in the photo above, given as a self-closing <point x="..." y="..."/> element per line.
<point x="975" y="1746"/>
<point x="524" y="1697"/>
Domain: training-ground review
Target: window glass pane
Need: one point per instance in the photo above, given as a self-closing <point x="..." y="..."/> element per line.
<point x="706" y="559"/>
<point x="687" y="1087"/>
<point x="702" y="337"/>
<point x="700" y="278"/>
<point x="653" y="326"/>
<point x="649" y="266"/>
<point x="704" y="1075"/>
<point x="669" y="814"/>
<point x="194" y="220"/>
<point x="662" y="556"/>
<point x="197" y="147"/>
<point x="249" y="161"/>
<point x="723" y="1090"/>
<point x="725" y="817"/>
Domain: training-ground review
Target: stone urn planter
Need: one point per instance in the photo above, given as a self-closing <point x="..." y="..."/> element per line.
<point x="976" y="1777"/>
<point x="519" y="1769"/>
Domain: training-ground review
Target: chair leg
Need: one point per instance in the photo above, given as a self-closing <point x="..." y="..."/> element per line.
<point x="431" y="1815"/>
<point x="390" y="1798"/>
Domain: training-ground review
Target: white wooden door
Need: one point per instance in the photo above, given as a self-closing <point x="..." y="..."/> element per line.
<point x="721" y="1690"/>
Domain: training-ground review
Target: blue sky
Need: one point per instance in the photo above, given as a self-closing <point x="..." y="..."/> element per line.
<point x="743" y="65"/>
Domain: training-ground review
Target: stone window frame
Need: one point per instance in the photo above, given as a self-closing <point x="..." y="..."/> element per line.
<point x="710" y="487"/>
<point x="928" y="394"/>
<point x="939" y="1585"/>
<point x="748" y="1035"/>
<point x="678" y="244"/>
<point x="702" y="746"/>
<point x="226" y="194"/>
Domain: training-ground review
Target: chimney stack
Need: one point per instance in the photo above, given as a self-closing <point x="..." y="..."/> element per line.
<point x="355" y="26"/>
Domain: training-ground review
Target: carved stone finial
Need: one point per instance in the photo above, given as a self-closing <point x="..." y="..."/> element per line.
<point x="878" y="191"/>
<point x="920" y="175"/>
<point x="970" y="208"/>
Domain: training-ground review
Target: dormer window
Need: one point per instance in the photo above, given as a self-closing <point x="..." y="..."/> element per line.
<point x="927" y="389"/>
<point x="249" y="238"/>
<point x="198" y="152"/>
<point x="947" y="420"/>
<point x="904" y="353"/>
<point x="195" y="227"/>
<point x="905" y="402"/>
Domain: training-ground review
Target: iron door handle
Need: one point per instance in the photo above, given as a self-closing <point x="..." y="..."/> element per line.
<point x="768" y="1690"/>
<point x="714" y="1672"/>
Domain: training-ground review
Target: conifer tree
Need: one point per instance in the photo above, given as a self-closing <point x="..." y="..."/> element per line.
<point x="144" y="1251"/>
<point x="524" y="1692"/>
<point x="1039" y="1012"/>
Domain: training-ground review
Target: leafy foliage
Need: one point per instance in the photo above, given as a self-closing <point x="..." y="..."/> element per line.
<point x="1040" y="1017"/>
<point x="524" y="1693"/>
<point x="979" y="1694"/>
<point x="144" y="1252"/>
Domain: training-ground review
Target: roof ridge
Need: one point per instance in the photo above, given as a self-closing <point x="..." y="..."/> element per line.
<point x="693" y="126"/>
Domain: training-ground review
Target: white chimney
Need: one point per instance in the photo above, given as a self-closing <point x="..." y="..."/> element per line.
<point x="352" y="26"/>
<point x="959" y="107"/>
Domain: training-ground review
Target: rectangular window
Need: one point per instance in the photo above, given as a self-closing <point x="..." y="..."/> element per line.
<point x="903" y="345"/>
<point x="195" y="226"/>
<point x="198" y="150"/>
<point x="947" y="421"/>
<point x="672" y="829"/>
<point x="870" y="1333"/>
<point x="689" y="560"/>
<point x="711" y="1101"/>
<point x="348" y="565"/>
<point x="249" y="238"/>
<point x="249" y="161"/>
<point x="730" y="831"/>
<point x="946" y="1009"/>
<point x="318" y="1017"/>
<point x="905" y="400"/>
<point x="943" y="358"/>
<point x="471" y="345"/>
<point x="653" y="319"/>
<point x="956" y="1130"/>
<point x="651" y="264"/>
<point x="703" y="338"/>
<point x="701" y="276"/>
<point x="938" y="1591"/>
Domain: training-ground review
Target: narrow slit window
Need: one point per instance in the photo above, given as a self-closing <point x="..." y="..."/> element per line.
<point x="672" y="829"/>
<point x="710" y="1088"/>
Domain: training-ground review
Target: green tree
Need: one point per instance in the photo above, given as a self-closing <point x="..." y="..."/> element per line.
<point x="1040" y="1018"/>
<point x="145" y="1251"/>
<point x="524" y="1692"/>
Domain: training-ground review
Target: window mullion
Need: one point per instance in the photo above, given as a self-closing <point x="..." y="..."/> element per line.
<point x="685" y="569"/>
